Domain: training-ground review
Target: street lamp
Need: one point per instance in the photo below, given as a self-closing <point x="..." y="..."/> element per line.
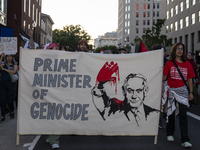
<point x="34" y="26"/>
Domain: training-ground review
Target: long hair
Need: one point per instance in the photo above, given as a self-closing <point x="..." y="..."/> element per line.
<point x="173" y="52"/>
<point x="13" y="59"/>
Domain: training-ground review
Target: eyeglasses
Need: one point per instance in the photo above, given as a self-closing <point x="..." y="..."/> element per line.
<point x="179" y="48"/>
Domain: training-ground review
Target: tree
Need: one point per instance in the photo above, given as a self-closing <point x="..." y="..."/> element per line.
<point x="153" y="36"/>
<point x="70" y="36"/>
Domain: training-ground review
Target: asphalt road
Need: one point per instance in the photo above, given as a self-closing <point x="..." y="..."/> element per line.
<point x="68" y="142"/>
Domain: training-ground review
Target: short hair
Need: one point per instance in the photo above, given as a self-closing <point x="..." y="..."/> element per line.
<point x="173" y="52"/>
<point x="82" y="41"/>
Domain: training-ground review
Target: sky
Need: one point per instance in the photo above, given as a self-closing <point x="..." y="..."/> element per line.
<point x="96" y="16"/>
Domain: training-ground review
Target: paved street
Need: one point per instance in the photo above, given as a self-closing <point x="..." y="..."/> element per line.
<point x="30" y="142"/>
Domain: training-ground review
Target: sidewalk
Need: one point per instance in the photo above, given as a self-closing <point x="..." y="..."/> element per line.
<point x="8" y="135"/>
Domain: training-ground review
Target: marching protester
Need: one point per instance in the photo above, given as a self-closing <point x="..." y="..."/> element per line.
<point x="53" y="139"/>
<point x="7" y="87"/>
<point x="63" y="48"/>
<point x="122" y="51"/>
<point x="107" y="52"/>
<point x="193" y="63"/>
<point x="178" y="71"/>
<point x="83" y="46"/>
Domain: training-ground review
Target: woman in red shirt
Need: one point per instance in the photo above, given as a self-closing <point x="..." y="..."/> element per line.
<point x="176" y="92"/>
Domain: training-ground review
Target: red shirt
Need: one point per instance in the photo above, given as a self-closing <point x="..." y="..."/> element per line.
<point x="174" y="80"/>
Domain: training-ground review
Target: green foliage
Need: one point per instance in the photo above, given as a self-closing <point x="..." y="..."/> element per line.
<point x="114" y="49"/>
<point x="153" y="36"/>
<point x="70" y="36"/>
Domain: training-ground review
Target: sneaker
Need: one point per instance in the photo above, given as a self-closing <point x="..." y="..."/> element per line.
<point x="161" y="126"/>
<point x="186" y="144"/>
<point x="47" y="140"/>
<point x="12" y="116"/>
<point x="3" y="119"/>
<point x="170" y="138"/>
<point x="55" y="146"/>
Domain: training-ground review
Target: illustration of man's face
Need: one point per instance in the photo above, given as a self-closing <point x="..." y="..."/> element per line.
<point x="135" y="91"/>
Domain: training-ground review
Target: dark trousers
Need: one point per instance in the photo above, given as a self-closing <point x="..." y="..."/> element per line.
<point x="183" y="123"/>
<point x="7" y="92"/>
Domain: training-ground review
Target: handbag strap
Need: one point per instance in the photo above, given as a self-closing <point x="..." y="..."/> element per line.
<point x="180" y="73"/>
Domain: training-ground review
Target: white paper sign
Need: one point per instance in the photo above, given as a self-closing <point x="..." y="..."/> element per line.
<point x="8" y="45"/>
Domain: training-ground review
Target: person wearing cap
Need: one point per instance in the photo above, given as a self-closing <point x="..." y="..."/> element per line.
<point x="107" y="52"/>
<point x="122" y="51"/>
<point x="83" y="46"/>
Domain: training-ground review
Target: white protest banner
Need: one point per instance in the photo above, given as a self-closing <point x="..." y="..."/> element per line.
<point x="8" y="45"/>
<point x="89" y="94"/>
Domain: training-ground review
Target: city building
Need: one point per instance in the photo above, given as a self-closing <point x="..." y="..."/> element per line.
<point x="109" y="38"/>
<point x="96" y="42"/>
<point x="46" y="29"/>
<point x="135" y="17"/>
<point x="183" y="23"/>
<point x="3" y="12"/>
<point x="27" y="12"/>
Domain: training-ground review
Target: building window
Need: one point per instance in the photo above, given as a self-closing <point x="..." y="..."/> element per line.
<point x="154" y="5"/>
<point x="33" y="12"/>
<point x="148" y="6"/>
<point x="193" y="18"/>
<point x="144" y="6"/>
<point x="148" y="14"/>
<point x="36" y="16"/>
<point x="176" y="26"/>
<point x="129" y="8"/>
<point x="128" y="24"/>
<point x="128" y="15"/>
<point x="39" y="2"/>
<point x="181" y="23"/>
<point x="176" y="9"/>
<point x="171" y="12"/>
<point x="137" y="30"/>
<point x="125" y="16"/>
<point x="167" y="2"/>
<point x="158" y="14"/>
<point x="24" y="25"/>
<point x="198" y="36"/>
<point x="144" y="14"/>
<point x="39" y="18"/>
<point x="181" y="6"/>
<point x="193" y="2"/>
<point x="158" y="5"/>
<point x="167" y="14"/>
<point x="137" y="14"/>
<point x="29" y="8"/>
<point x="154" y="22"/>
<point x="171" y="28"/>
<point x="167" y="29"/>
<point x="144" y="30"/>
<point x="25" y="6"/>
<point x="144" y="22"/>
<point x="128" y="31"/>
<point x="124" y="39"/>
<point x="175" y="40"/>
<point x="137" y="22"/>
<point x="186" y="21"/>
<point x="153" y="13"/>
<point x="125" y="24"/>
<point x="186" y="4"/>
<point x="148" y="22"/>
<point x="137" y="6"/>
<point x="199" y="16"/>
<point x="127" y="38"/>
<point x="125" y="8"/>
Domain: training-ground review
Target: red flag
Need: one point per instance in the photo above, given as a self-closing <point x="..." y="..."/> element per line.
<point x="142" y="48"/>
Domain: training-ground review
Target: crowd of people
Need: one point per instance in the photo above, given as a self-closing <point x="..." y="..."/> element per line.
<point x="175" y="90"/>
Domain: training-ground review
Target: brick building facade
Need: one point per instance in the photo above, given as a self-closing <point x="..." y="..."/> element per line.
<point x="27" y="11"/>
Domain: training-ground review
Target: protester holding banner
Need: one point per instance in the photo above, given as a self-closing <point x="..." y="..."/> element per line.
<point x="7" y="87"/>
<point x="83" y="46"/>
<point x="176" y="92"/>
<point x="53" y="139"/>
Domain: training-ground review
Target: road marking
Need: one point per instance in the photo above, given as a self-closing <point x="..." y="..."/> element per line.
<point x="193" y="116"/>
<point x="32" y="145"/>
